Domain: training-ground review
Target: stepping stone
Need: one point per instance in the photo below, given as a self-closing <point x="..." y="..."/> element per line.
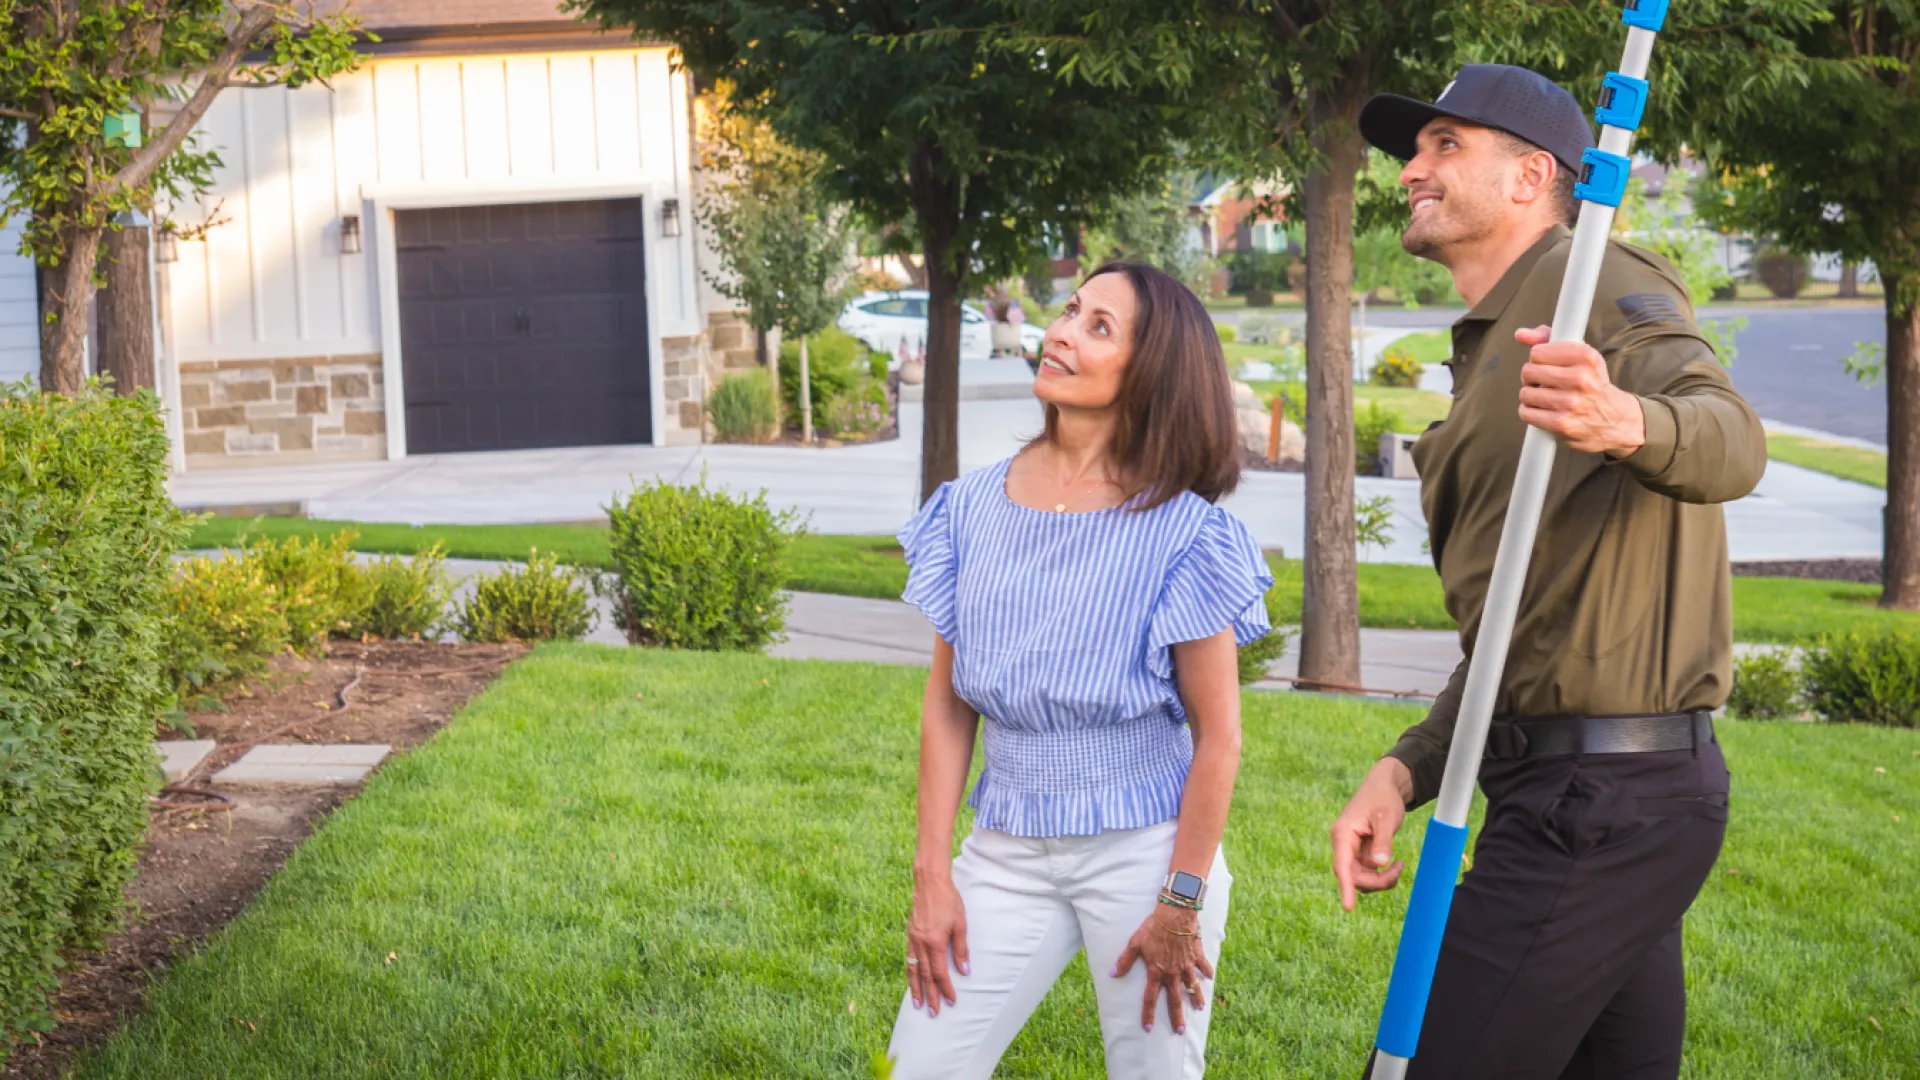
<point x="339" y="763"/>
<point x="179" y="758"/>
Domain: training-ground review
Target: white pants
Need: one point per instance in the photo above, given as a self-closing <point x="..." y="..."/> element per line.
<point x="1031" y="904"/>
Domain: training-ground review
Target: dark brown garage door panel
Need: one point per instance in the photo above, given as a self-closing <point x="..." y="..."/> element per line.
<point x="524" y="326"/>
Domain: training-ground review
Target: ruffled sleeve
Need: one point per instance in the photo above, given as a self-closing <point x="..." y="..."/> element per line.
<point x="1219" y="581"/>
<point x="932" y="573"/>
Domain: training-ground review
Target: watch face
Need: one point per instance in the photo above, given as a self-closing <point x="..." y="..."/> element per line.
<point x="1185" y="886"/>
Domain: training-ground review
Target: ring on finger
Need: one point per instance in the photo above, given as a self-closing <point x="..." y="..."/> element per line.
<point x="913" y="961"/>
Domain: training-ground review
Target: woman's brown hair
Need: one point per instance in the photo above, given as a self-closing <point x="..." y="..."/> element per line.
<point x="1176" y="426"/>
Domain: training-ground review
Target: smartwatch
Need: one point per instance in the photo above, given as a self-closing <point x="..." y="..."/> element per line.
<point x="1185" y="887"/>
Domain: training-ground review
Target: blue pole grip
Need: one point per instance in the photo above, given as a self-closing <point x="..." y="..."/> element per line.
<point x="1420" y="936"/>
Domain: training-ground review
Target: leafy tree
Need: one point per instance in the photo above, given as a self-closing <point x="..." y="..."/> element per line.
<point x="925" y="123"/>
<point x="1265" y="86"/>
<point x="1153" y="227"/>
<point x="784" y="240"/>
<point x="70" y="69"/>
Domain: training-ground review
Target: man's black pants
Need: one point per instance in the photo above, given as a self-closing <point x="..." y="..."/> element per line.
<point x="1562" y="952"/>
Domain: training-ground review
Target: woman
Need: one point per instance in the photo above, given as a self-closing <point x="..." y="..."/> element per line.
<point x="1087" y="600"/>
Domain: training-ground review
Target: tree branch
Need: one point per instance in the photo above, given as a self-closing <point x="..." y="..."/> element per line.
<point x="18" y="114"/>
<point x="254" y="22"/>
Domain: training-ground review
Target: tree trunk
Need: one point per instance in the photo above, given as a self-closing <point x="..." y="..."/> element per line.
<point x="806" y="395"/>
<point x="66" y="291"/>
<point x="936" y="202"/>
<point x="1900" y="552"/>
<point x="1849" y="280"/>
<point x="770" y="359"/>
<point x="125" y="313"/>
<point x="1330" y="603"/>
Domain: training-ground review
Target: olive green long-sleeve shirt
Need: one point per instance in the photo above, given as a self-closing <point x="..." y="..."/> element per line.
<point x="1627" y="605"/>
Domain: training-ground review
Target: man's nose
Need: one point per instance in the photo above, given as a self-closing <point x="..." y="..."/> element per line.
<point x="1413" y="172"/>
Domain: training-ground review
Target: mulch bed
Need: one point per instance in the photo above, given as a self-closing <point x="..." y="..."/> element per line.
<point x="1863" y="571"/>
<point x="199" y="868"/>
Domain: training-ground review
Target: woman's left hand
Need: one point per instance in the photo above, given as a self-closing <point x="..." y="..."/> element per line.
<point x="1169" y="944"/>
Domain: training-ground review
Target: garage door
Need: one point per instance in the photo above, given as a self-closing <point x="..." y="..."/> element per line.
<point x="523" y="326"/>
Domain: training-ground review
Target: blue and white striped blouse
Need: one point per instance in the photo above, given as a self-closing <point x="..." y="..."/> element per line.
<point x="1062" y="627"/>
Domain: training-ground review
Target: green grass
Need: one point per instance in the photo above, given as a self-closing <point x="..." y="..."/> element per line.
<point x="848" y="565"/>
<point x="1783" y="610"/>
<point x="1429" y="346"/>
<point x="628" y="863"/>
<point x="1858" y="464"/>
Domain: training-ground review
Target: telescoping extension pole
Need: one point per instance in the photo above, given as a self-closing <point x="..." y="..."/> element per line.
<point x="1603" y="182"/>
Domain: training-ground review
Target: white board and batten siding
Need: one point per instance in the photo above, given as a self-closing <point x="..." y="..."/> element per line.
<point x="19" y="311"/>
<point x="270" y="281"/>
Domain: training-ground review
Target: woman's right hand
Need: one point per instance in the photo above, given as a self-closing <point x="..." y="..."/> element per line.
<point x="939" y="920"/>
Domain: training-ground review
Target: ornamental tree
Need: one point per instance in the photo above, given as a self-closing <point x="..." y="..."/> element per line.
<point x="79" y="77"/>
<point x="923" y="120"/>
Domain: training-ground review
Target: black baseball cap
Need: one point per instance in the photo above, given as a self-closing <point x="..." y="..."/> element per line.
<point x="1513" y="99"/>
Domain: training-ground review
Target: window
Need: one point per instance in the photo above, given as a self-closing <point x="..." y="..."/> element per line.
<point x="895" y="307"/>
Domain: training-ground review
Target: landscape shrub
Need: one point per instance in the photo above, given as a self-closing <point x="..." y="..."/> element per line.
<point x="741" y="408"/>
<point x="859" y="415"/>
<point x="86" y="536"/>
<point x="1782" y="272"/>
<point x="698" y="568"/>
<point x="223" y="621"/>
<point x="1227" y="334"/>
<point x="1367" y="429"/>
<point x="1265" y="330"/>
<point x="838" y="365"/>
<point x="1764" y="686"/>
<point x="1396" y="367"/>
<point x="320" y="587"/>
<point x="541" y="601"/>
<point x="1256" y="655"/>
<point x="1259" y="274"/>
<point x="1868" y="677"/>
<point x="407" y="597"/>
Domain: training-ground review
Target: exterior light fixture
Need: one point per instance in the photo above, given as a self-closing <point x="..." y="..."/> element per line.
<point x="669" y="217"/>
<point x="350" y="235"/>
<point x="166" y="246"/>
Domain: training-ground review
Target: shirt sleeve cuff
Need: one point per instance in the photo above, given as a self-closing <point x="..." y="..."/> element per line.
<point x="1424" y="763"/>
<point x="1656" y="454"/>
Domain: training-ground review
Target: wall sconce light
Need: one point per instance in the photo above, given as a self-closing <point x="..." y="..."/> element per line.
<point x="166" y="246"/>
<point x="669" y="217"/>
<point x="350" y="235"/>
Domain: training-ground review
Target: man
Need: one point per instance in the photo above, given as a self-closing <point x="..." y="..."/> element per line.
<point x="1607" y="794"/>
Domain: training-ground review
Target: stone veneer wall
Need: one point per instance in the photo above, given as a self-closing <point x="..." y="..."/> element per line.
<point x="682" y="378"/>
<point x="253" y="412"/>
<point x="730" y="349"/>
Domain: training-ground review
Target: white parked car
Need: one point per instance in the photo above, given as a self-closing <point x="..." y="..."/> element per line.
<point x="885" y="320"/>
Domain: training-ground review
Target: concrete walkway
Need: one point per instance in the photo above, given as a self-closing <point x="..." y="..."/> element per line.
<point x="873" y="489"/>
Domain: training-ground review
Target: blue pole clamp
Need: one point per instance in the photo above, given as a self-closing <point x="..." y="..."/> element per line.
<point x="1649" y="15"/>
<point x="1420" y="936"/>
<point x="1623" y="101"/>
<point x="1603" y="177"/>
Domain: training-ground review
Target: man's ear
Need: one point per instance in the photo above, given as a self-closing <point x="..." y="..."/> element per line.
<point x="1538" y="170"/>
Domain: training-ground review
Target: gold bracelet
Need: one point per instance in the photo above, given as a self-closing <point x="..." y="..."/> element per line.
<point x="1176" y="933"/>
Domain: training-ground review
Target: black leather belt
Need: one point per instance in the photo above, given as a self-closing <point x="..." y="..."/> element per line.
<point x="1511" y="738"/>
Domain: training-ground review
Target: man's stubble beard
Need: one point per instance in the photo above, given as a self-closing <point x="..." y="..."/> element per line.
<point x="1462" y="219"/>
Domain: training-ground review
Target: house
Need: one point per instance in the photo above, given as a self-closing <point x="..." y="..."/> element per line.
<point x="481" y="239"/>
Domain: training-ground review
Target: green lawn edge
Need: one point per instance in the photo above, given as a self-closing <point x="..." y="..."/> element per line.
<point x="1392" y="596"/>
<point x="637" y="863"/>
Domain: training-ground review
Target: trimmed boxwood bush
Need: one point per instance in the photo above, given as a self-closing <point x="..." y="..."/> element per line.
<point x="223" y="622"/>
<point x="322" y="591"/>
<point x="406" y="596"/>
<point x="541" y="601"/>
<point x="1868" y="677"/>
<point x="699" y="569"/>
<point x="1764" y="687"/>
<point x="86" y="533"/>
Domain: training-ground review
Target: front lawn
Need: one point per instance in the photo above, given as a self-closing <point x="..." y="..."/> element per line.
<point x="1855" y="463"/>
<point x="1392" y="595"/>
<point x="633" y="863"/>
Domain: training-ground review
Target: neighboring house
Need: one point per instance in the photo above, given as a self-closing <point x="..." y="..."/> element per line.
<point x="19" y="311"/>
<point x="482" y="239"/>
